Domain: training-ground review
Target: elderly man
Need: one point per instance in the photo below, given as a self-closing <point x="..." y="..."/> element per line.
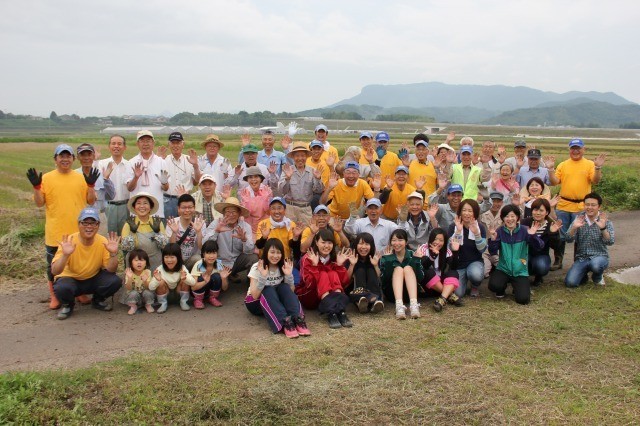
<point x="466" y="174"/>
<point x="322" y="132"/>
<point x="418" y="222"/>
<point x="206" y="198"/>
<point x="533" y="169"/>
<point x="387" y="161"/>
<point x="115" y="169"/>
<point x="491" y="220"/>
<point x="447" y="212"/>
<point x="381" y="229"/>
<point x="395" y="194"/>
<point x="322" y="220"/>
<point x="250" y="155"/>
<point x="347" y="192"/>
<point x="421" y="168"/>
<point x="104" y="187"/>
<point x="519" y="159"/>
<point x="268" y="155"/>
<point x="149" y="171"/>
<point x="234" y="237"/>
<point x="86" y="263"/>
<point x="212" y="163"/>
<point x="183" y="171"/>
<point x="575" y="175"/>
<point x="64" y="194"/>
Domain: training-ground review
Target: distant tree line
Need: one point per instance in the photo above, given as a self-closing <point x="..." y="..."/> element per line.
<point x="242" y="118"/>
<point x="402" y="117"/>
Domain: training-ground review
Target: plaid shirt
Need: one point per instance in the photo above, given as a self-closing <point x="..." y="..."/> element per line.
<point x="589" y="242"/>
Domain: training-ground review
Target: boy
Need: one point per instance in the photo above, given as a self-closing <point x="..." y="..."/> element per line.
<point x="186" y="230"/>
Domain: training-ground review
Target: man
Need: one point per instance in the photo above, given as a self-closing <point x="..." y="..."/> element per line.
<point x="317" y="160"/>
<point x="447" y="212"/>
<point x="278" y="226"/>
<point x="64" y="194"/>
<point x="518" y="159"/>
<point x="234" y="238"/>
<point x="186" y="230"/>
<point x="592" y="233"/>
<point x="381" y="229"/>
<point x="322" y="220"/>
<point x="421" y="168"/>
<point x="395" y="193"/>
<point x="418" y="223"/>
<point x="490" y="166"/>
<point x="115" y="169"/>
<point x="466" y="141"/>
<point x="250" y="155"/>
<point x="104" y="187"/>
<point x="466" y="174"/>
<point x="322" y="132"/>
<point x="183" y="173"/>
<point x="212" y="163"/>
<point x="148" y="171"/>
<point x="268" y="155"/>
<point x="575" y="175"/>
<point x="491" y="220"/>
<point x="206" y="198"/>
<point x="300" y="183"/>
<point x="367" y="152"/>
<point x="86" y="263"/>
<point x="387" y="161"/>
<point x="347" y="192"/>
<point x="532" y="169"/>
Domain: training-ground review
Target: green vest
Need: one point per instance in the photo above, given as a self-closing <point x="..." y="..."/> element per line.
<point x="471" y="188"/>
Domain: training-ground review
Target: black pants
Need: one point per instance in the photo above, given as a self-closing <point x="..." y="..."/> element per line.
<point x="102" y="285"/>
<point x="499" y="280"/>
<point x="334" y="303"/>
<point x="366" y="283"/>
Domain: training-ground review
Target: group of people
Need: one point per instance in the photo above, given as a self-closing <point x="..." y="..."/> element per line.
<point x="308" y="229"/>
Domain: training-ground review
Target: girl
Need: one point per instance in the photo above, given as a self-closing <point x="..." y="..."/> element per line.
<point x="471" y="236"/>
<point x="539" y="260"/>
<point x="137" y="278"/>
<point x="363" y="268"/>
<point x="400" y="268"/>
<point x="512" y="241"/>
<point x="323" y="279"/>
<point x="171" y="278"/>
<point x="439" y="265"/>
<point x="533" y="190"/>
<point x="210" y="275"/>
<point x="271" y="285"/>
<point x="142" y="230"/>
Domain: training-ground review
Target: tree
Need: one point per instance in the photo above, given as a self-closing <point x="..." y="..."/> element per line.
<point x="1" y="114"/>
<point x="53" y="116"/>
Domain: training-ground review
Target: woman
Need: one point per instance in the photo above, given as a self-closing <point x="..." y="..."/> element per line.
<point x="255" y="197"/>
<point x="144" y="231"/>
<point x="534" y="189"/>
<point x="472" y="237"/>
<point x="539" y="260"/>
<point x="505" y="182"/>
<point x="512" y="241"/>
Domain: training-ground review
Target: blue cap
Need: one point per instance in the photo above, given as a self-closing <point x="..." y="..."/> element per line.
<point x="374" y="202"/>
<point x="321" y="127"/>
<point x="352" y="165"/>
<point x="576" y="142"/>
<point x="316" y="142"/>
<point x="421" y="142"/>
<point x="89" y="213"/>
<point x="402" y="169"/>
<point x="366" y="135"/>
<point x="454" y="188"/>
<point x="382" y="136"/>
<point x="278" y="200"/>
<point x="319" y="208"/>
<point x="466" y="148"/>
<point x="63" y="148"/>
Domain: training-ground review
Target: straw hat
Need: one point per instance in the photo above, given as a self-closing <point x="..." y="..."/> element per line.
<point x="231" y="202"/>
<point x="211" y="138"/>
<point x="152" y="199"/>
<point x="299" y="147"/>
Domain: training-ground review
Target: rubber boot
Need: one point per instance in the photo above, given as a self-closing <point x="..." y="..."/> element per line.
<point x="83" y="299"/>
<point x="184" y="301"/>
<point x="559" y="255"/>
<point x="54" y="303"/>
<point x="162" y="300"/>
<point x="213" y="298"/>
<point x="198" y="300"/>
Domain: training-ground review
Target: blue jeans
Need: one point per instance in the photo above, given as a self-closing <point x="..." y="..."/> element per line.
<point x="577" y="274"/>
<point x="277" y="303"/>
<point x="567" y="219"/>
<point x="539" y="265"/>
<point x="474" y="273"/>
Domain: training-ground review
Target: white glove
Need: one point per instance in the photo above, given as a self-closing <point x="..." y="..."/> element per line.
<point x="163" y="177"/>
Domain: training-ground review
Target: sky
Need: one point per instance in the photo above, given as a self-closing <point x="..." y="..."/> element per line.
<point x="121" y="57"/>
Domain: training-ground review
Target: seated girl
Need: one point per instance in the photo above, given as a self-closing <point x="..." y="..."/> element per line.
<point x="271" y="292"/>
<point x="365" y="274"/>
<point x="210" y="275"/>
<point x="136" y="283"/>
<point x="440" y="268"/>
<point x="171" y="279"/>
<point x="400" y="272"/>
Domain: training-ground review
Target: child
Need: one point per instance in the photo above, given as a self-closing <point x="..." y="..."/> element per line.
<point x="363" y="268"/>
<point x="171" y="277"/>
<point x="440" y="268"/>
<point x="210" y="275"/>
<point x="271" y="284"/>
<point x="400" y="268"/>
<point x="137" y="278"/>
<point x="323" y="279"/>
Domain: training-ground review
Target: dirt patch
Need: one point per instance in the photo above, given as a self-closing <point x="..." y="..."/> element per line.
<point x="34" y="339"/>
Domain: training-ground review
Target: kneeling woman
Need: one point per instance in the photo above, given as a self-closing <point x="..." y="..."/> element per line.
<point x="401" y="268"/>
<point x="271" y="292"/>
<point x="539" y="260"/>
<point x="512" y="241"/>
<point x="440" y="268"/>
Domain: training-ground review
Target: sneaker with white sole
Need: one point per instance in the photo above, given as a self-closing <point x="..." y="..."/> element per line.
<point x="363" y="305"/>
<point x="475" y="292"/>
<point x="401" y="312"/>
<point x="378" y="306"/>
<point x="601" y="282"/>
<point x="64" y="312"/>
<point x="415" y="311"/>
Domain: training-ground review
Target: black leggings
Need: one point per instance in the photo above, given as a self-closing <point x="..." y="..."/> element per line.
<point x="499" y="280"/>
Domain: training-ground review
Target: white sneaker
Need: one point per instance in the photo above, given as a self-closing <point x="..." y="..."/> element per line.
<point x="415" y="311"/>
<point x="401" y="312"/>
<point x="601" y="282"/>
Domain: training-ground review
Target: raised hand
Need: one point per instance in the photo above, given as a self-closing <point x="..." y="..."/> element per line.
<point x="353" y="257"/>
<point x="287" y="170"/>
<point x="183" y="275"/>
<point x="458" y="221"/>
<point x="333" y="180"/>
<point x="222" y="225"/>
<point x="313" y="225"/>
<point x="535" y="226"/>
<point x="34" y="177"/>
<point x="162" y="151"/>
<point x="368" y="155"/>
<point x="285" y="142"/>
<point x="157" y="275"/>
<point x="389" y="180"/>
<point x="265" y="230"/>
<point x="337" y="223"/>
<point x="67" y="245"/>
<point x="419" y="182"/>
<point x="226" y="191"/>
<point x="376" y="182"/>
<point x="313" y="257"/>
<point x="454" y="245"/>
<point x="474" y="227"/>
<point x="163" y="177"/>
<point x="113" y="243"/>
<point x="443" y="180"/>
<point x="245" y="139"/>
<point x="388" y="250"/>
<point x="263" y="268"/>
<point x="154" y="223"/>
<point x="181" y="190"/>
<point x="92" y="177"/>
<point x="515" y="199"/>
<point x="106" y="172"/>
<point x="343" y="256"/>
<point x="433" y="210"/>
<point x="375" y="258"/>
<point x="599" y="160"/>
<point x="226" y="165"/>
<point x="519" y="162"/>
<point x="354" y="210"/>
<point x="128" y="273"/>
<point x="403" y="152"/>
<point x="556" y="225"/>
<point x="174" y="224"/>
<point x="492" y="232"/>
<point x="579" y="222"/>
<point x="287" y="268"/>
<point x="331" y="160"/>
<point x="273" y="167"/>
<point x="420" y="252"/>
<point x="502" y="154"/>
<point x="406" y="160"/>
<point x="198" y="223"/>
<point x="224" y="272"/>
<point x="297" y="230"/>
<point x="133" y="226"/>
<point x="451" y="136"/>
<point x="403" y="212"/>
<point x="293" y="128"/>
<point x="451" y="157"/>
<point x="240" y="234"/>
<point x="554" y="201"/>
<point x="317" y="172"/>
<point x="549" y="161"/>
<point x="193" y="157"/>
<point x="475" y="159"/>
<point x="602" y="220"/>
<point x="237" y="170"/>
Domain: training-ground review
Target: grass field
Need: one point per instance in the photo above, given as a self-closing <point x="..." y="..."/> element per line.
<point x="569" y="357"/>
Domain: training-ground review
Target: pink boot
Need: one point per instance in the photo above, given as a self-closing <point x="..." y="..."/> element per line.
<point x="198" y="300"/>
<point x="213" y="298"/>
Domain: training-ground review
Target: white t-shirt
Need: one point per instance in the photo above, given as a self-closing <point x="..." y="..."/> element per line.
<point x="274" y="278"/>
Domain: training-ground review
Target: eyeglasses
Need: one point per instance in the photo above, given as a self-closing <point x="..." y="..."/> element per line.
<point x="89" y="224"/>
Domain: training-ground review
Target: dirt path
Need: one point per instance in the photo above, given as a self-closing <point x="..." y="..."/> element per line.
<point x="32" y="338"/>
